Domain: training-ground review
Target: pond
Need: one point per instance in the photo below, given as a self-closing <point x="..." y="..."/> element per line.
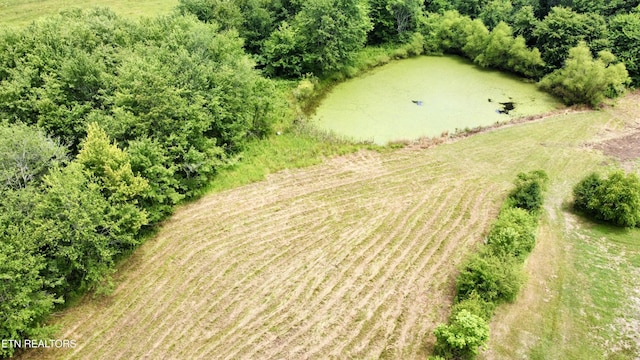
<point x="426" y="96"/>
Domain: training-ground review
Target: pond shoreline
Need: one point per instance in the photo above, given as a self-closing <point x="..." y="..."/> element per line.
<point x="424" y="97"/>
<point x="426" y="142"/>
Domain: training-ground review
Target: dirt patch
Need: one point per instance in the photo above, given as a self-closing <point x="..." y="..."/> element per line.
<point x="626" y="148"/>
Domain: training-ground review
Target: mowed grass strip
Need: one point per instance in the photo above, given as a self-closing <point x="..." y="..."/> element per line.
<point x="354" y="257"/>
<point x="581" y="298"/>
<point x="19" y="13"/>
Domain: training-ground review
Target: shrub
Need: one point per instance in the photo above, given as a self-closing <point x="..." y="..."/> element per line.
<point x="513" y="234"/>
<point x="528" y="192"/>
<point x="475" y="305"/>
<point x="615" y="199"/>
<point x="494" y="279"/>
<point x="584" y="191"/>
<point x="462" y="338"/>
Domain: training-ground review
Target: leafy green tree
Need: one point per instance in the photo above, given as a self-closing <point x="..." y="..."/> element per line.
<point x="462" y="338"/>
<point x="150" y="161"/>
<point x="71" y="230"/>
<point x="494" y="279"/>
<point x="24" y="303"/>
<point x="109" y="168"/>
<point x="438" y="6"/>
<point x="615" y="199"/>
<point x="563" y="29"/>
<point x="524" y="22"/>
<point x="624" y="33"/>
<point x="471" y="8"/>
<point x="497" y="47"/>
<point x="584" y="193"/>
<point x="382" y="23"/>
<point x="331" y="31"/>
<point x="322" y="38"/>
<point x="26" y="154"/>
<point x="584" y="80"/>
<point x="496" y="11"/>
<point x="282" y="52"/>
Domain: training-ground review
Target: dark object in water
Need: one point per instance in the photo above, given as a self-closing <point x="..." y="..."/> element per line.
<point x="417" y="102"/>
<point x="506" y="107"/>
<point x="489" y="100"/>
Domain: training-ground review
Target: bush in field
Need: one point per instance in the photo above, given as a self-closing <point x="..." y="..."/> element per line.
<point x="492" y="278"/>
<point x="475" y="305"/>
<point x="615" y="199"/>
<point x="528" y="192"/>
<point x="462" y="338"/>
<point x="513" y="234"/>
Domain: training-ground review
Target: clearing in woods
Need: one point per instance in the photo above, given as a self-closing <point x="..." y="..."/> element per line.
<point x="352" y="258"/>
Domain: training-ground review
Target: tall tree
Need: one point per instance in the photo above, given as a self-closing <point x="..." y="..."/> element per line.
<point x="26" y="154"/>
<point x="563" y="28"/>
<point x="624" y="33"/>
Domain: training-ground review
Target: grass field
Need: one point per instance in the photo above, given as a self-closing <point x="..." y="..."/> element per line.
<point x="23" y="12"/>
<point x="356" y="258"/>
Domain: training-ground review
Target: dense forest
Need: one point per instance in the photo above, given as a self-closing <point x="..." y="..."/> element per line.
<point x="106" y="123"/>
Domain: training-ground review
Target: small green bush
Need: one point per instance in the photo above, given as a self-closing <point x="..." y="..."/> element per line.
<point x="513" y="234"/>
<point x="494" y="279"/>
<point x="528" y="192"/>
<point x="462" y="338"/>
<point x="615" y="199"/>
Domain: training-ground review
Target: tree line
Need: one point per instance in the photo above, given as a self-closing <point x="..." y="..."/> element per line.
<point x="532" y="38"/>
<point x="105" y="125"/>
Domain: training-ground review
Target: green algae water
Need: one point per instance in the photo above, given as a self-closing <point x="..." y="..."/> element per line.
<point x="427" y="96"/>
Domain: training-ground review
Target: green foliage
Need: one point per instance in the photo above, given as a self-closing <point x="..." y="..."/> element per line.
<point x="25" y="299"/>
<point x="462" y="338"/>
<point x="174" y="79"/>
<point x="494" y="279"/>
<point x="149" y="159"/>
<point x="322" y="38"/>
<point x="282" y="52"/>
<point x="527" y="194"/>
<point x="109" y="168"/>
<point x="584" y="80"/>
<point x="501" y="50"/>
<point x="523" y="23"/>
<point x="26" y="154"/>
<point x="585" y="191"/>
<point x="453" y="33"/>
<point x="495" y="12"/>
<point x="513" y="234"/>
<point x="72" y="230"/>
<point x="615" y="199"/>
<point x="475" y="305"/>
<point x="563" y="29"/>
<point x="624" y="34"/>
<point x="24" y="303"/>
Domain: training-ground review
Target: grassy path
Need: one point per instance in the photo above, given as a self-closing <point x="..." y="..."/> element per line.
<point x="352" y="258"/>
